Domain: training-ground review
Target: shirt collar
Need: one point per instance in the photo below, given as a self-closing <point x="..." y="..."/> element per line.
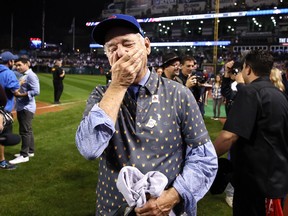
<point x="145" y="78"/>
<point x="27" y="72"/>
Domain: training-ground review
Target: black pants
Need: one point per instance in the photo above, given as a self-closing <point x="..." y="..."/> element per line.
<point x="58" y="89"/>
<point x="248" y="202"/>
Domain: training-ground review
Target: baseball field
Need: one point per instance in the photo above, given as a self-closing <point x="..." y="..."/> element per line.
<point x="58" y="180"/>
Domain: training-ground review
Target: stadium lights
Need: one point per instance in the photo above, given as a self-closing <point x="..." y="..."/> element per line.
<point x="178" y="44"/>
<point x="208" y="16"/>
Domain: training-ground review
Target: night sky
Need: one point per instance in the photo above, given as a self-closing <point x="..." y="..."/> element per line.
<point x="27" y="16"/>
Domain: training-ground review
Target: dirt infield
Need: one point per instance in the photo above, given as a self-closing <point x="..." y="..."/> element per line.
<point x="46" y="107"/>
<point x="42" y="107"/>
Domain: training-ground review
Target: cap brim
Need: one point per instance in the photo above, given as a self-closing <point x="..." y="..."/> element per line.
<point x="100" y="30"/>
<point x="15" y="57"/>
<point x="173" y="59"/>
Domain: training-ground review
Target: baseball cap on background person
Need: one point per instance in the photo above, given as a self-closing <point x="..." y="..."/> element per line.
<point x="169" y="58"/>
<point x="7" y="56"/>
<point x="99" y="32"/>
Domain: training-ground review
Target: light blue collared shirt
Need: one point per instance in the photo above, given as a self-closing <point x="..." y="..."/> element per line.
<point x="31" y="85"/>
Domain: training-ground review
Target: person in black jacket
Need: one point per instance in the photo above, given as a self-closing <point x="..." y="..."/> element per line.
<point x="255" y="132"/>
<point x="58" y="77"/>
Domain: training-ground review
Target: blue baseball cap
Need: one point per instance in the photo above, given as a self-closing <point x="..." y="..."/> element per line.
<point x="99" y="32"/>
<point x="7" y="56"/>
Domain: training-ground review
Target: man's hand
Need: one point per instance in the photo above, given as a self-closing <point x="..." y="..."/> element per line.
<point x="227" y="68"/>
<point x="161" y="205"/>
<point x="125" y="70"/>
<point x="22" y="81"/>
<point x="239" y="78"/>
<point x="191" y="81"/>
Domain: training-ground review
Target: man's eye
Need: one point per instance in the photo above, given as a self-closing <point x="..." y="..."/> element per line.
<point x="111" y="49"/>
<point x="129" y="44"/>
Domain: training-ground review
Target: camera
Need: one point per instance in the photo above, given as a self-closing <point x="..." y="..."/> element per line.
<point x="199" y="77"/>
<point x="237" y="67"/>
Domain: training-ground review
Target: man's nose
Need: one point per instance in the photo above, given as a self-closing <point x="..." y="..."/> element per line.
<point x="121" y="50"/>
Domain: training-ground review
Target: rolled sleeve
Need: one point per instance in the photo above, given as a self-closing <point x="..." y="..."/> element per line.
<point x="197" y="177"/>
<point x="93" y="133"/>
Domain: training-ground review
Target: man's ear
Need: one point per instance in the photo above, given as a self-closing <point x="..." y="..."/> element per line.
<point x="147" y="45"/>
<point x="249" y="71"/>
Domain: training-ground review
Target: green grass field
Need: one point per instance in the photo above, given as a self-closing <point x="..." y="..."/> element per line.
<point x="58" y="181"/>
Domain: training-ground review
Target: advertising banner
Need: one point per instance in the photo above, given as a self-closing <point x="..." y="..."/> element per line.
<point x="187" y="1"/>
<point x="223" y="4"/>
<point x="138" y="4"/>
<point x="189" y="8"/>
<point x="164" y="2"/>
<point x="257" y="3"/>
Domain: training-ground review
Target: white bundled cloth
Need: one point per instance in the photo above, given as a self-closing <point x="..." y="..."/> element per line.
<point x="134" y="185"/>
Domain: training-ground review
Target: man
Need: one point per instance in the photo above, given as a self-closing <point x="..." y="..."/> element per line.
<point x="256" y="131"/>
<point x="26" y="108"/>
<point x="187" y="77"/>
<point x="191" y="79"/>
<point x="159" y="70"/>
<point x="58" y="77"/>
<point x="156" y="128"/>
<point x="10" y="84"/>
<point x="171" y="66"/>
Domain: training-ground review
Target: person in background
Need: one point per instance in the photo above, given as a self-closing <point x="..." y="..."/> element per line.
<point x="276" y="78"/>
<point x="3" y="101"/>
<point x="171" y="66"/>
<point x="186" y="76"/>
<point x="208" y="85"/>
<point x="201" y="87"/>
<point x="11" y="86"/>
<point x="217" y="97"/>
<point x="26" y="108"/>
<point x="231" y="83"/>
<point x="58" y="77"/>
<point x="191" y="79"/>
<point x="285" y="78"/>
<point x="255" y="132"/>
<point x="159" y="70"/>
<point x="145" y="121"/>
<point x="108" y="76"/>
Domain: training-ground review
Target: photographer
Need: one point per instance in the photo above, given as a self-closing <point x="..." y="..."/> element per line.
<point x="193" y="79"/>
<point x="231" y="82"/>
